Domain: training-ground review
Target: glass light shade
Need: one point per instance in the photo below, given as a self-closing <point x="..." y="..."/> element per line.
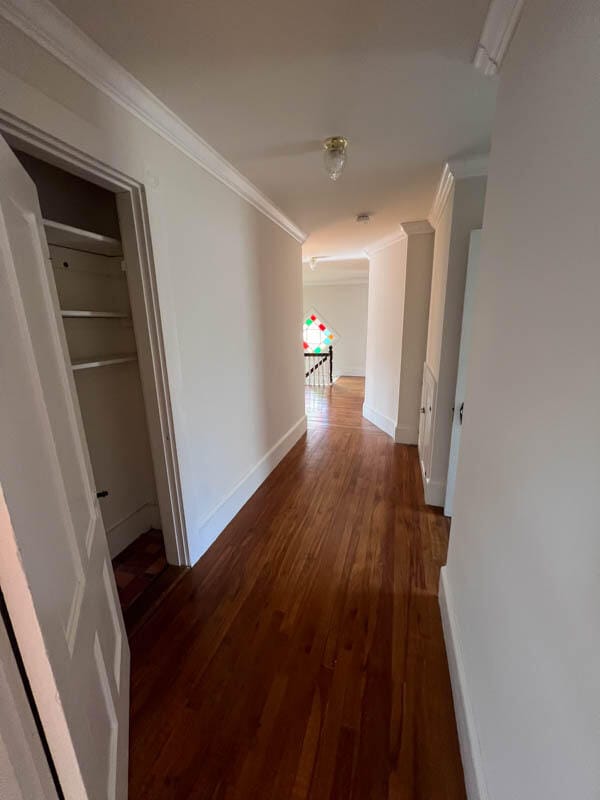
<point x="334" y="156"/>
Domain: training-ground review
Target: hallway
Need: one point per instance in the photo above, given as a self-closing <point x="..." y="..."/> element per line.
<point x="303" y="656"/>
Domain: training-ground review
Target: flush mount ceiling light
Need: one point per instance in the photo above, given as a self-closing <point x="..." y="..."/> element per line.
<point x="334" y="155"/>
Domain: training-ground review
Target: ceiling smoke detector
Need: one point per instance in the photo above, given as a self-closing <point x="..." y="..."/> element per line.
<point x="363" y="217"/>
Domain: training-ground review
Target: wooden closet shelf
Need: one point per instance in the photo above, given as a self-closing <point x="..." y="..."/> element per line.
<point x="103" y="361"/>
<point x="78" y="239"/>
<point x="68" y="312"/>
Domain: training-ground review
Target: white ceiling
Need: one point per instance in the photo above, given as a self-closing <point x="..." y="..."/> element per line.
<point x="264" y="82"/>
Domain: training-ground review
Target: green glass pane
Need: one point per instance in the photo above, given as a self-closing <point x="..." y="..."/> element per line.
<point x="317" y="349"/>
<point x="308" y="322"/>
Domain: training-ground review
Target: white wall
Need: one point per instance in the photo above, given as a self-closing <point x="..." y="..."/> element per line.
<point x="523" y="573"/>
<point x="221" y="265"/>
<point x="387" y="278"/>
<point x="399" y="289"/>
<point x="462" y="213"/>
<point x="419" y="261"/>
<point x="344" y="307"/>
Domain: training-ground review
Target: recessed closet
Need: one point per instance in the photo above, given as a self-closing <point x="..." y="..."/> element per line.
<point x="82" y="229"/>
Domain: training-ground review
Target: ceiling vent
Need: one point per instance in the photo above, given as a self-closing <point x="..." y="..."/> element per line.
<point x="363" y="217"/>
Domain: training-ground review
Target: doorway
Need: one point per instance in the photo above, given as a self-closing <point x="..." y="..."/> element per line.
<point x="55" y="565"/>
<point x="91" y="274"/>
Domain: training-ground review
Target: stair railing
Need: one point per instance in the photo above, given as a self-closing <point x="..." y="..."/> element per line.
<point x="319" y="368"/>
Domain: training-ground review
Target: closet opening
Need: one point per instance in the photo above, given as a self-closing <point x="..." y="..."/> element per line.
<point x="103" y="296"/>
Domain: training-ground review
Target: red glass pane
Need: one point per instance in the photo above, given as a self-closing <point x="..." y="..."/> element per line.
<point x="312" y="316"/>
<point x="305" y="345"/>
<point x="321" y="326"/>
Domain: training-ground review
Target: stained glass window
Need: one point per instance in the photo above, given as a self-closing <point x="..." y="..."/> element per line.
<point x="317" y="336"/>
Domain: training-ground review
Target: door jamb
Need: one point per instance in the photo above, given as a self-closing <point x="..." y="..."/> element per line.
<point x="138" y="253"/>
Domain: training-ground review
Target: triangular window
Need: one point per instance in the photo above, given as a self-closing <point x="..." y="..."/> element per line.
<point x="317" y="336"/>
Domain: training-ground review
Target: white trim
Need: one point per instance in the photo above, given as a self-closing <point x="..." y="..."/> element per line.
<point x="50" y="28"/>
<point x="498" y="29"/>
<point x="405" y="230"/>
<point x="341" y="282"/>
<point x="406" y="434"/>
<point x="218" y="519"/>
<point x="470" y="748"/>
<point x="349" y="372"/>
<point x="387" y="241"/>
<point x="384" y="423"/>
<point x="126" y="530"/>
<point x="435" y="492"/>
<point x="441" y="196"/>
<point x="455" y="170"/>
<point x="473" y="167"/>
<point x="360" y="256"/>
<point x="417" y="227"/>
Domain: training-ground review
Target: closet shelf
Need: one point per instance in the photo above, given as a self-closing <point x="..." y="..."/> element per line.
<point x="103" y="361"/>
<point x="78" y="239"/>
<point x="69" y="312"/>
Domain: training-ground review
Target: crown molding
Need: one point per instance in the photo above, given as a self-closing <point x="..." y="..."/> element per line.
<point x="498" y="29"/>
<point x="473" y="167"/>
<point x="454" y="170"/>
<point x="387" y="241"/>
<point x="56" y="33"/>
<point x="329" y="259"/>
<point x="338" y="282"/>
<point x="441" y="196"/>
<point x="417" y="228"/>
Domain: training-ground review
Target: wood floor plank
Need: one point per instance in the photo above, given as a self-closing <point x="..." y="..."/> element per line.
<point x="302" y="658"/>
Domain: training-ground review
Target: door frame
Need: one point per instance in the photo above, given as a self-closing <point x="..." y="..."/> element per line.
<point x="145" y="310"/>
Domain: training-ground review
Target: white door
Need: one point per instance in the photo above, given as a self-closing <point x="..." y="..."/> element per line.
<point x="55" y="570"/>
<point x="461" y="378"/>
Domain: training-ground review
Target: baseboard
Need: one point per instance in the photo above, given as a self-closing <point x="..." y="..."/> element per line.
<point x="406" y="434"/>
<point x="386" y="424"/>
<point x="123" y="533"/>
<point x="218" y="519"/>
<point x="435" y="493"/>
<point x="467" y="734"/>
<point x="350" y="372"/>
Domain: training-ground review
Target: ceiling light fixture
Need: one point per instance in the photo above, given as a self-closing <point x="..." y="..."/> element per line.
<point x="334" y="155"/>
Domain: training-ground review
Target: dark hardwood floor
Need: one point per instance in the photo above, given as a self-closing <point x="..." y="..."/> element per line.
<point x="303" y="656"/>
